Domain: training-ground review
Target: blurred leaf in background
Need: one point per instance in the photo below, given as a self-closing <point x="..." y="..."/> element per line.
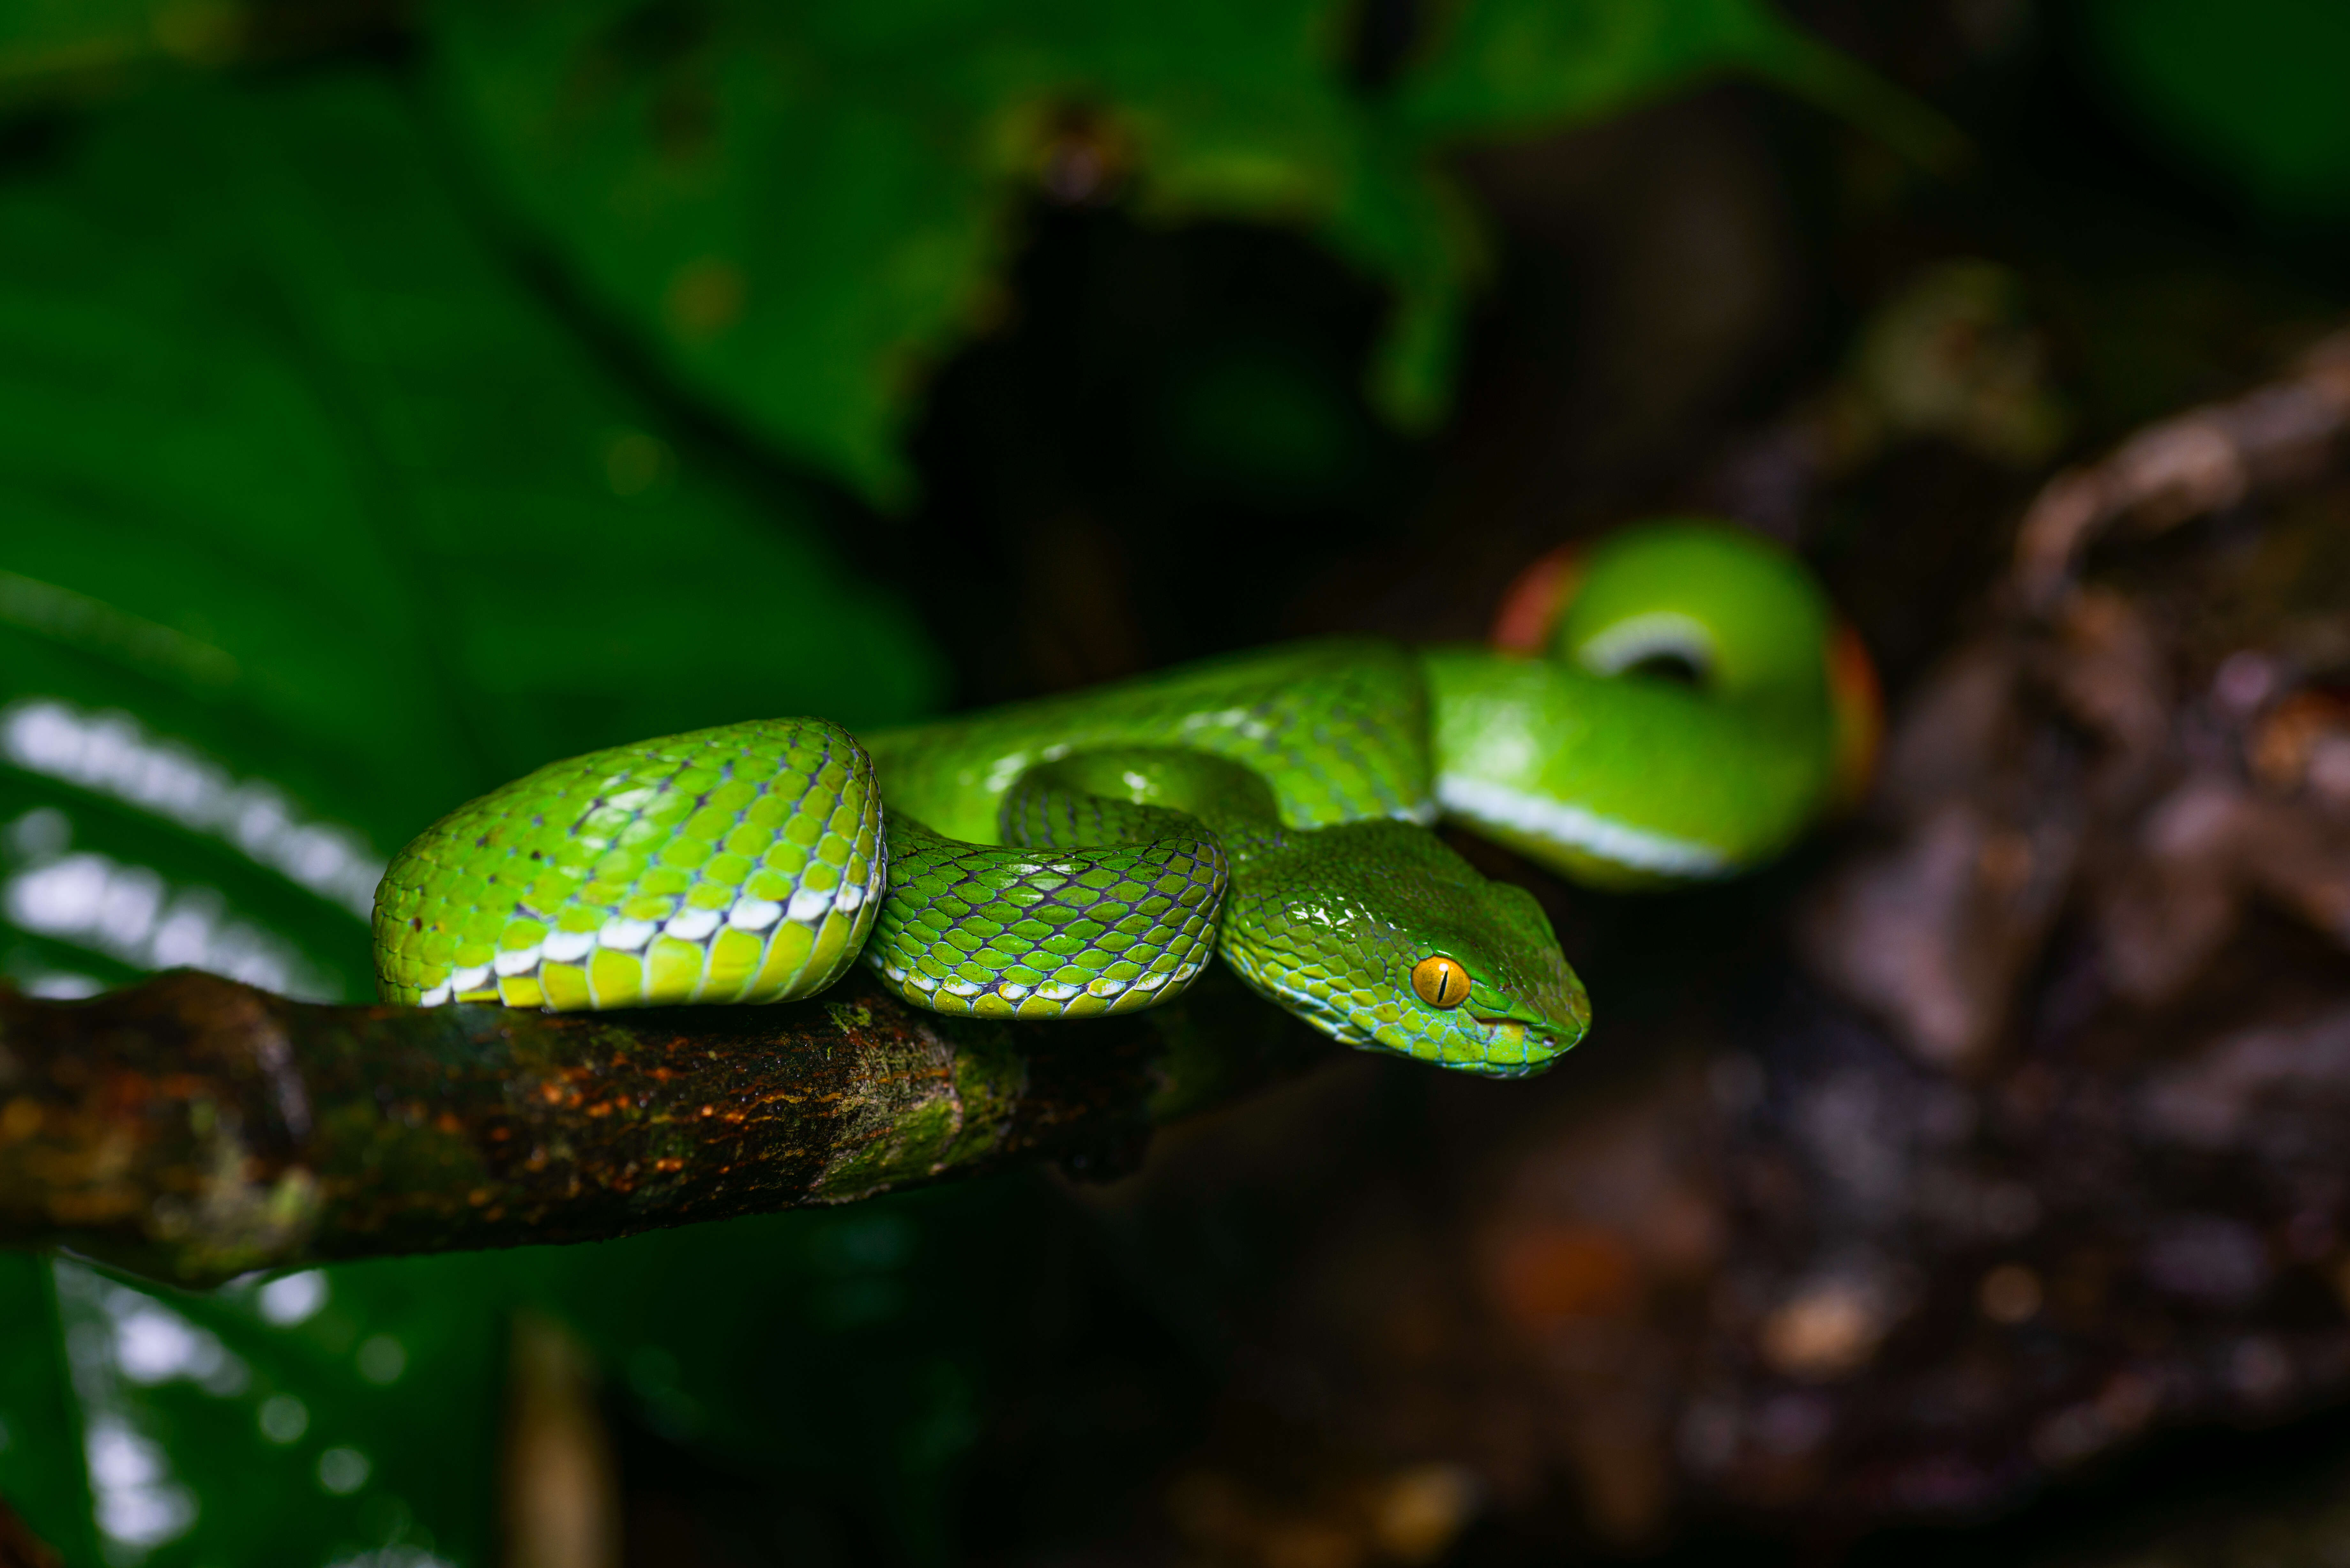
<point x="2251" y="90"/>
<point x="799" y="211"/>
<point x="53" y="48"/>
<point x="314" y="1417"/>
<point x="42" y="1473"/>
<point x="319" y="522"/>
<point x="329" y="1413"/>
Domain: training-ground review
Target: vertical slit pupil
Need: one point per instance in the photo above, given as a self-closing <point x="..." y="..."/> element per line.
<point x="1440" y="981"/>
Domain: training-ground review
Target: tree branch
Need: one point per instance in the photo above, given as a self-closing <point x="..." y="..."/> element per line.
<point x="192" y="1128"/>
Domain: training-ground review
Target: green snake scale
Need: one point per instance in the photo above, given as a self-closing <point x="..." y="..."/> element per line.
<point x="1088" y="854"/>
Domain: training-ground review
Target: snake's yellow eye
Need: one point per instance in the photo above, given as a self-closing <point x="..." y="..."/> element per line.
<point x="1440" y="981"/>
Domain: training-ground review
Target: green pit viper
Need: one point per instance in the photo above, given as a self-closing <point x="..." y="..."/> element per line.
<point x="1088" y="853"/>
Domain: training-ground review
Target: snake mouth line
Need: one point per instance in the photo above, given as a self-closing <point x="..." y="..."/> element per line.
<point x="1532" y="1026"/>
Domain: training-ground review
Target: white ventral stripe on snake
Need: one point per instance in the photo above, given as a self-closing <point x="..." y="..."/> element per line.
<point x="1538" y="816"/>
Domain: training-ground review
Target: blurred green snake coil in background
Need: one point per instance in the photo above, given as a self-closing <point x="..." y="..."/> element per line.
<point x="1087" y="853"/>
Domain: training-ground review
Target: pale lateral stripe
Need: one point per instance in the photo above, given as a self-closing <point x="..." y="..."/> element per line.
<point x="1481" y="800"/>
<point x="692" y="925"/>
<point x="625" y="936"/>
<point x="567" y="947"/>
<point x="753" y="914"/>
<point x="1641" y="636"/>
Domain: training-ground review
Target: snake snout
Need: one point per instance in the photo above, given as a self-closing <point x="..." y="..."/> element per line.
<point x="1545" y="1015"/>
<point x="1515" y="1048"/>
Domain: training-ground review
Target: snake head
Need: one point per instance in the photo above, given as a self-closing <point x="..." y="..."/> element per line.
<point x="1385" y="940"/>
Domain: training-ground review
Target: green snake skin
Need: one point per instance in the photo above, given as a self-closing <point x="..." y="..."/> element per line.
<point x="741" y="864"/>
<point x="1088" y="853"/>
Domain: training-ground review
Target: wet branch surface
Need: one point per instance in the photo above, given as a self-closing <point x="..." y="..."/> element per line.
<point x="194" y="1128"/>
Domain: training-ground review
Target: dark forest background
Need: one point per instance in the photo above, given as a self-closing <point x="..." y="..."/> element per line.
<point x="395" y="396"/>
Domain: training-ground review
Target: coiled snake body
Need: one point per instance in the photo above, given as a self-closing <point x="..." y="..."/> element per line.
<point x="1088" y="853"/>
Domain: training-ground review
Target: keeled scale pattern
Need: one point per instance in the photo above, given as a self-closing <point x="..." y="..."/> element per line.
<point x="1331" y="925"/>
<point x="1039" y="933"/>
<point x="1337" y="728"/>
<point x="738" y="864"/>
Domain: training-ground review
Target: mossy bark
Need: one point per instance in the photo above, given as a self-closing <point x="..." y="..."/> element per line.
<point x="194" y="1128"/>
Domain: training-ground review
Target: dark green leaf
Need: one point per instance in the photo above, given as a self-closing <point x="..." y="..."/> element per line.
<point x="94" y="47"/>
<point x="799" y="210"/>
<point x="41" y="1473"/>
<point x="322" y="523"/>
<point x="306" y="1419"/>
<point x="319" y="522"/>
<point x="2251" y="90"/>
